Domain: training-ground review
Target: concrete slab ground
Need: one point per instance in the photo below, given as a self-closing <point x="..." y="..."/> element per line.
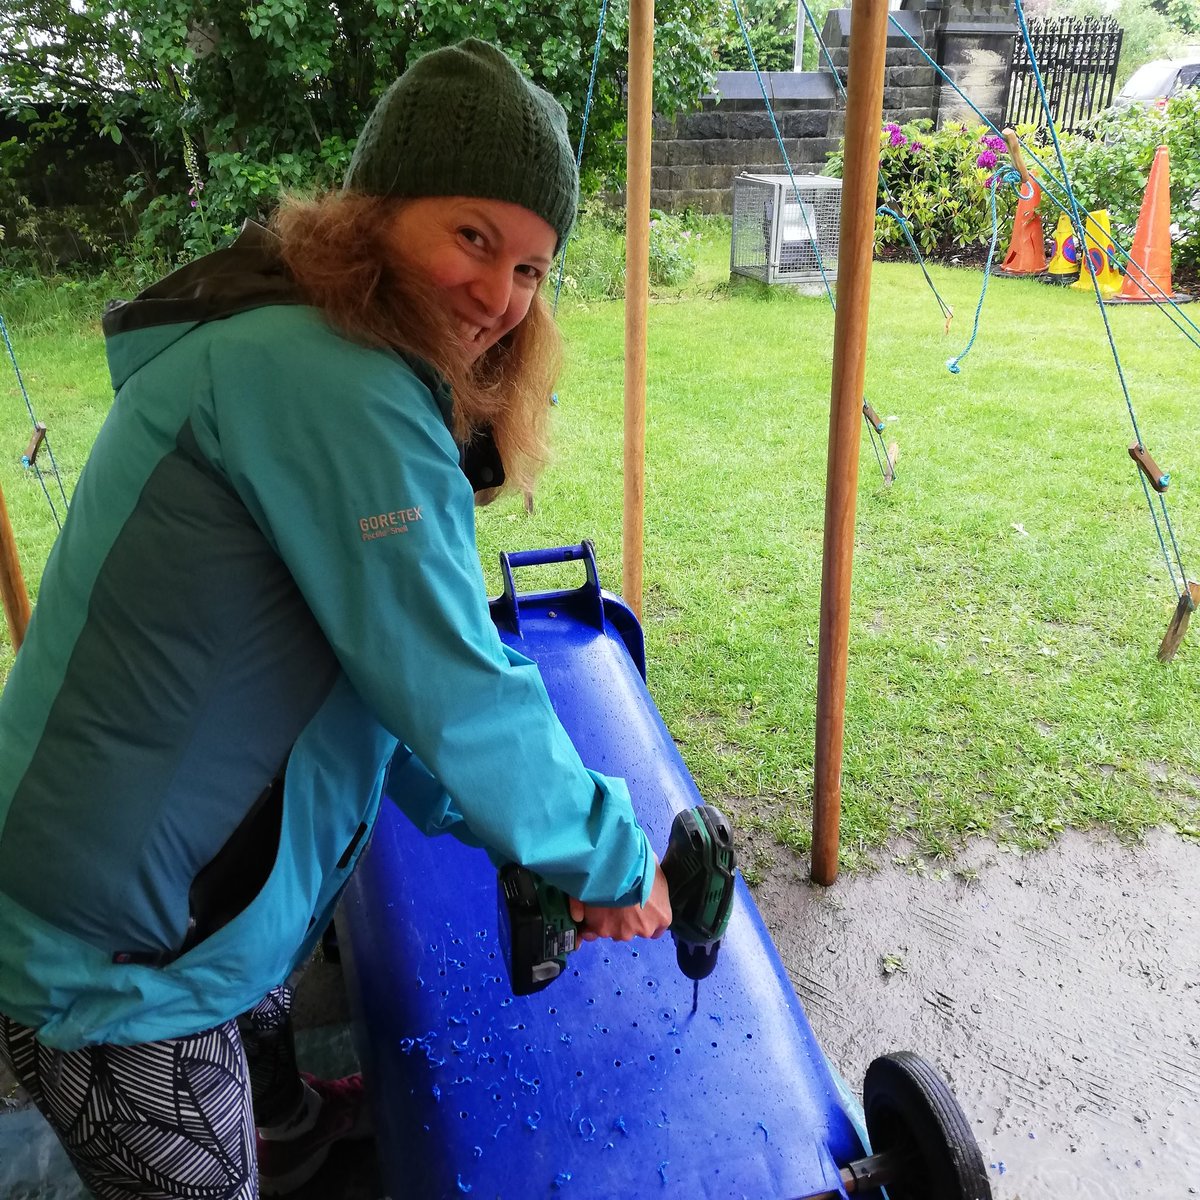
<point x="1059" y="992"/>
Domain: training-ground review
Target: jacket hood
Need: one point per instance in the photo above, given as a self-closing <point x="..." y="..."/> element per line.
<point x="247" y="274"/>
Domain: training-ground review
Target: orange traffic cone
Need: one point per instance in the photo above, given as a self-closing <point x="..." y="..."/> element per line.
<point x="1148" y="275"/>
<point x="1027" y="250"/>
<point x="1101" y="256"/>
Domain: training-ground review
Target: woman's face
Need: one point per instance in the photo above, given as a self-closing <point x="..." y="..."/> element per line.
<point x="486" y="258"/>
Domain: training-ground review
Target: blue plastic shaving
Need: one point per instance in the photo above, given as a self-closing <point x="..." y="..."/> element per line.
<point x="498" y="1128"/>
<point x="463" y="1187"/>
<point x="565" y="1039"/>
<point x="609" y="1146"/>
<point x="478" y="1151"/>
<point x="407" y="1044"/>
<point x="461" y="1046"/>
<point x="619" y="1126"/>
<point x="437" y="1093"/>
<point x="662" y="1172"/>
<point x="506" y="1002"/>
<point x="587" y="1130"/>
<point x="562" y="1179"/>
<point x="532" y="1120"/>
<point x="720" y="1020"/>
<point x="766" y="1135"/>
<point x="458" y="1021"/>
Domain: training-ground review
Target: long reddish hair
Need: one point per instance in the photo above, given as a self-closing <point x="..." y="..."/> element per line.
<point x="335" y="247"/>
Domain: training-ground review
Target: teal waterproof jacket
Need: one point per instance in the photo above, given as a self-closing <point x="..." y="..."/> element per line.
<point x="266" y="594"/>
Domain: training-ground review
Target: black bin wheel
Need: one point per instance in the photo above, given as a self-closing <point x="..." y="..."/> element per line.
<point x="910" y="1110"/>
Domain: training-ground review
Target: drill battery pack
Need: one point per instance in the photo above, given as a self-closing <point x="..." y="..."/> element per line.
<point x="536" y="930"/>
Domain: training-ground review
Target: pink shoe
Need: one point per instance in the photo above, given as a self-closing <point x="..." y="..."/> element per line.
<point x="284" y="1166"/>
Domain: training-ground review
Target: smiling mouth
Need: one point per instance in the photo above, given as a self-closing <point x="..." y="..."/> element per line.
<point x="473" y="336"/>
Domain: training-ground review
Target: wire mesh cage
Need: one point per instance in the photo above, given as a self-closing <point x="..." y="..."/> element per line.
<point x="785" y="231"/>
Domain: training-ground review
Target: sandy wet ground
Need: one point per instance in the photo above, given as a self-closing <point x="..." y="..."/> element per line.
<point x="1059" y="992"/>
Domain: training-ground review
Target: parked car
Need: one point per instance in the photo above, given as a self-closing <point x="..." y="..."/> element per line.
<point x="1156" y="82"/>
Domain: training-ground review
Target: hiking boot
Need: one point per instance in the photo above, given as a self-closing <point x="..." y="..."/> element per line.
<point x="286" y="1164"/>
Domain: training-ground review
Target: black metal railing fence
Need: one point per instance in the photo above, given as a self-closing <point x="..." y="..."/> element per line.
<point x="1077" y="57"/>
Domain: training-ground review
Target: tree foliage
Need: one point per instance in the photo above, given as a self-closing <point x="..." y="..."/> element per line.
<point x="771" y="28"/>
<point x="245" y="99"/>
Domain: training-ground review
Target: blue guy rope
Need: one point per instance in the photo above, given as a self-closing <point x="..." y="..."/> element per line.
<point x="787" y="162"/>
<point x="587" y="109"/>
<point x="1052" y="185"/>
<point x="1171" y="309"/>
<point x="884" y="211"/>
<point x="947" y="311"/>
<point x="1009" y="175"/>
<point x="46" y="441"/>
<point x="1037" y="75"/>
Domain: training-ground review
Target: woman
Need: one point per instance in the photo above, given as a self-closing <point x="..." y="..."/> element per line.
<point x="266" y="596"/>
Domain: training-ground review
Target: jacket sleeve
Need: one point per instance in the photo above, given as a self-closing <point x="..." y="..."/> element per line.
<point x="344" y="460"/>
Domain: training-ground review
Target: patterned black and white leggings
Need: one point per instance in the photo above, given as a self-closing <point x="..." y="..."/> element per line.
<point x="166" y="1120"/>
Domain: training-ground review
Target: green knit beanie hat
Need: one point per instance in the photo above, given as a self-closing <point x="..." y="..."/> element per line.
<point x="464" y="121"/>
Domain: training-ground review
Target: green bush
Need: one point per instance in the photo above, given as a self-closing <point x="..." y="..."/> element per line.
<point x="937" y="180"/>
<point x="673" y="250"/>
<point x="1109" y="164"/>
<point x="596" y="253"/>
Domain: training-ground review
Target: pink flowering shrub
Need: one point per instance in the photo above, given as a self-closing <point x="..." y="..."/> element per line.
<point x="938" y="180"/>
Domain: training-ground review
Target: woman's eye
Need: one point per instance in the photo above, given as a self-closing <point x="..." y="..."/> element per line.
<point x="471" y="235"/>
<point x="530" y="272"/>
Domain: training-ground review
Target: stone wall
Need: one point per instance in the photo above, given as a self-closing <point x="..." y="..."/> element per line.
<point x="696" y="156"/>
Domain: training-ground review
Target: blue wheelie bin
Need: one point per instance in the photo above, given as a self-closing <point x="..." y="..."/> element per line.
<point x="606" y="1084"/>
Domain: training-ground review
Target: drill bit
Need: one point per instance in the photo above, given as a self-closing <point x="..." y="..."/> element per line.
<point x="695" y="993"/>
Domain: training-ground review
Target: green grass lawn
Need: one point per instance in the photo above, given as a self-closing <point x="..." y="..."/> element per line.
<point x="1009" y="590"/>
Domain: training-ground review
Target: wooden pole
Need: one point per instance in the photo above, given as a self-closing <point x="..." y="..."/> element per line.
<point x="12" y="582"/>
<point x="860" y="181"/>
<point x="637" y="291"/>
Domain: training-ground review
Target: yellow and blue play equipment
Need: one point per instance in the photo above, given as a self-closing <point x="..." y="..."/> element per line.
<point x="1064" y="262"/>
<point x="1102" y="255"/>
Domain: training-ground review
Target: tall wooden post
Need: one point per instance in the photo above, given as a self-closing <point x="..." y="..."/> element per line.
<point x="12" y="583"/>
<point x="864" y="114"/>
<point x="637" y="292"/>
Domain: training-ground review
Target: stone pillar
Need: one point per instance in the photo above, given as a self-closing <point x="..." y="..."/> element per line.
<point x="975" y="40"/>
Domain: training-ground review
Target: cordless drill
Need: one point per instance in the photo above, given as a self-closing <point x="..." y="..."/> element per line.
<point x="537" y="932"/>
